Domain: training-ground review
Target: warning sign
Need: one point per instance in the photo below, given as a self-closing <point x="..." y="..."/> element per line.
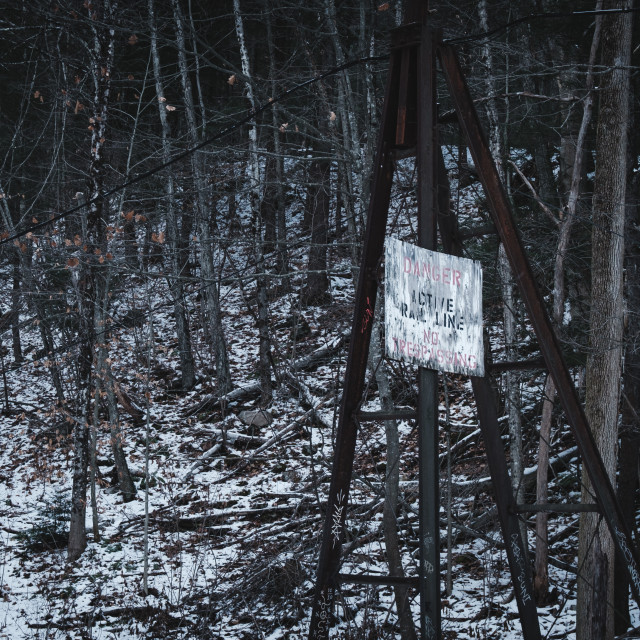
<point x="433" y="309"/>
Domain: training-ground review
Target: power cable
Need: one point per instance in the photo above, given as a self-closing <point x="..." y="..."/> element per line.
<point x="187" y="152"/>
<point x="537" y="16"/>
<point x="254" y="112"/>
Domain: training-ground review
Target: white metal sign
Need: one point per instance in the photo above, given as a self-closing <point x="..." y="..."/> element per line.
<point x="433" y="309"/>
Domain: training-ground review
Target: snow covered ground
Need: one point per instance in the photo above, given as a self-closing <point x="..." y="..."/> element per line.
<point x="233" y="536"/>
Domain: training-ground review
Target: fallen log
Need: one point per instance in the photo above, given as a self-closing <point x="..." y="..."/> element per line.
<point x="306" y="362"/>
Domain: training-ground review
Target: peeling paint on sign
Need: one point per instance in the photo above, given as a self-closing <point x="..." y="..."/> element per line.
<point x="433" y="309"/>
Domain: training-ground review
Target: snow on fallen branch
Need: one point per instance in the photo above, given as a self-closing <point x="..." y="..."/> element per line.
<point x="529" y="475"/>
<point x="307" y="362"/>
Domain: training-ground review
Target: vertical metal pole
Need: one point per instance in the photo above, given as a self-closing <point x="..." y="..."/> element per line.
<point x="429" y="490"/>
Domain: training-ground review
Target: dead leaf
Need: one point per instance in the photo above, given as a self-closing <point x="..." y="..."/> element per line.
<point x="73" y="262"/>
<point x="133" y="38"/>
<point x="170" y="108"/>
<point x="232" y="79"/>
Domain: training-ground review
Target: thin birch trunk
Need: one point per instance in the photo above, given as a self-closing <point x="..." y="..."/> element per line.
<point x="207" y="262"/>
<point x="264" y="360"/>
<point x="102" y="63"/>
<point x="512" y="385"/>
<point x="541" y="565"/>
<point x="392" y="481"/>
<point x="187" y="367"/>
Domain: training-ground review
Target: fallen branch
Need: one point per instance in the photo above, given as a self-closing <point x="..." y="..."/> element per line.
<point x="528" y="477"/>
<point x="319" y="355"/>
<point x="201" y="460"/>
<point x="127" y="403"/>
<point x="306" y="362"/>
<point x="309" y="400"/>
<point x="212" y="400"/>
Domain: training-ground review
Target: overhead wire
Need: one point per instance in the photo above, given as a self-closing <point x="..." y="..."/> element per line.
<point x="282" y="96"/>
<point x="188" y="152"/>
<point x="537" y="16"/>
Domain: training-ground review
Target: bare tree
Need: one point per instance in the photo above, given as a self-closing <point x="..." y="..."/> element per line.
<point x="93" y="248"/>
<point x="187" y="367"/>
<point x="204" y="212"/>
<point x="604" y="363"/>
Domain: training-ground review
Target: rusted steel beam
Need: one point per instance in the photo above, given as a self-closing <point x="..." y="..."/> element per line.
<point x="548" y="342"/>
<point x="505" y="502"/>
<point x="488" y="418"/>
<point x="401" y="121"/>
<point x="518" y="365"/>
<point x="333" y="531"/>
<point x="429" y="465"/>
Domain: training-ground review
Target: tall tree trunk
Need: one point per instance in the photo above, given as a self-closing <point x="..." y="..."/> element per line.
<point x="606" y="321"/>
<point x="15" y="306"/>
<point x="203" y="207"/>
<point x="350" y="168"/>
<point x="392" y="480"/>
<point x="23" y="265"/>
<point x="257" y="202"/>
<point x="104" y="380"/>
<point x="629" y="456"/>
<point x="93" y="246"/>
<point x="279" y="200"/>
<point x="541" y="568"/>
<point x="316" y="289"/>
<point x="187" y="368"/>
<point x="512" y="384"/>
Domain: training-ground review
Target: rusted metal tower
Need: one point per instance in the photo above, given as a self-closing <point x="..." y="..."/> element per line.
<point x="409" y="124"/>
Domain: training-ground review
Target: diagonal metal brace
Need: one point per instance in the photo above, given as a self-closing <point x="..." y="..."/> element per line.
<point x="549" y="346"/>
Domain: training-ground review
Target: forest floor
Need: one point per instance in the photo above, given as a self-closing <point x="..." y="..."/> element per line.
<point x="236" y="510"/>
